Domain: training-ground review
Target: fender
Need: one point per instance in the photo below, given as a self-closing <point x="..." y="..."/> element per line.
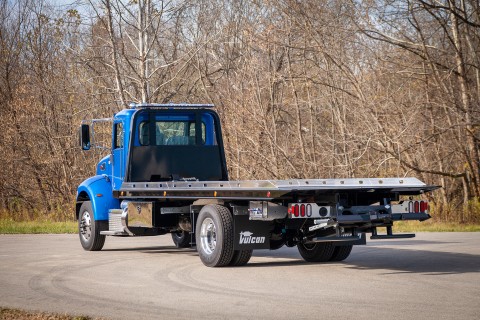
<point x="98" y="190"/>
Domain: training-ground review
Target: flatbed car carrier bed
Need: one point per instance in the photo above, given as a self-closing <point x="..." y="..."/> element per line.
<point x="270" y="189"/>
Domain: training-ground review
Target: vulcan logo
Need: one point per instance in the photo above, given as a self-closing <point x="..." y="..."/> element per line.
<point x="246" y="238"/>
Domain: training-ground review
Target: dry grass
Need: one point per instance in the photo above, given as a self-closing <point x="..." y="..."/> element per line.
<point x="14" y="314"/>
<point x="434" y="226"/>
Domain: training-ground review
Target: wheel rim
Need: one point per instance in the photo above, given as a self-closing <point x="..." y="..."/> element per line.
<point x="86" y="226"/>
<point x="208" y="236"/>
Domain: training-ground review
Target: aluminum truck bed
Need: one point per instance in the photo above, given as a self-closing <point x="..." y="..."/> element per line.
<point x="268" y="189"/>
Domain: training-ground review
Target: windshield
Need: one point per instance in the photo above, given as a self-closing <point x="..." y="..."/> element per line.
<point x="171" y="129"/>
<point x="170" y="133"/>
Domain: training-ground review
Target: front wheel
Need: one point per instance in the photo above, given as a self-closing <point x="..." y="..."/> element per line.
<point x="214" y="236"/>
<point x="89" y="228"/>
<point x="316" y="252"/>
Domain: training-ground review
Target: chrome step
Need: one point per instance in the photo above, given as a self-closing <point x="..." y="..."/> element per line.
<point x="116" y="223"/>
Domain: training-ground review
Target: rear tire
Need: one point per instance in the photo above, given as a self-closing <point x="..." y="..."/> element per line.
<point x="181" y="239"/>
<point x="240" y="257"/>
<point x="214" y="236"/>
<point x="341" y="253"/>
<point x="316" y="252"/>
<point x="89" y="228"/>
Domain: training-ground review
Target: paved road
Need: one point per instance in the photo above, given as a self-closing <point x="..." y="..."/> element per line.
<point x="434" y="276"/>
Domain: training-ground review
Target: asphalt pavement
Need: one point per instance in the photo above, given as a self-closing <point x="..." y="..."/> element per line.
<point x="433" y="276"/>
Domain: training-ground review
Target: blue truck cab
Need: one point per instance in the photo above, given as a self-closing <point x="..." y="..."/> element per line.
<point x="150" y="143"/>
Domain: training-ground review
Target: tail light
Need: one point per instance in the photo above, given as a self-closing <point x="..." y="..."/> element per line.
<point x="416" y="207"/>
<point x="308" y="210"/>
<point x="423" y="206"/>
<point x="295" y="210"/>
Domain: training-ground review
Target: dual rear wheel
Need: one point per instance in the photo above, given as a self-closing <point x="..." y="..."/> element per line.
<point x="181" y="239"/>
<point x="214" y="238"/>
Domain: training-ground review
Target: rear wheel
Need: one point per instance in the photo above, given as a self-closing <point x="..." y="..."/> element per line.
<point x="316" y="252"/>
<point x="181" y="239"/>
<point x="240" y="257"/>
<point x="89" y="228"/>
<point x="341" y="253"/>
<point x="214" y="236"/>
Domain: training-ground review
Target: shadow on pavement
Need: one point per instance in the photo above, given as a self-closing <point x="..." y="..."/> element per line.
<point x="375" y="256"/>
<point x="415" y="261"/>
<point x="402" y="242"/>
<point x="392" y="260"/>
<point x="154" y="249"/>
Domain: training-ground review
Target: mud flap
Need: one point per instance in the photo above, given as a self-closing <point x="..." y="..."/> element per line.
<point x="251" y="234"/>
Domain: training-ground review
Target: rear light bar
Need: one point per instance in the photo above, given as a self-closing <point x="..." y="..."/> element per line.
<point x="308" y="210"/>
<point x="412" y="206"/>
<point x="312" y="210"/>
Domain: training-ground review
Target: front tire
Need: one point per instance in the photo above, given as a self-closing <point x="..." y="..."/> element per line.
<point x="316" y="252"/>
<point x="89" y="228"/>
<point x="214" y="236"/>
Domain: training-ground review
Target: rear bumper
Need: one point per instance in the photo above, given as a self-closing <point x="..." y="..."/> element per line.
<point x="380" y="218"/>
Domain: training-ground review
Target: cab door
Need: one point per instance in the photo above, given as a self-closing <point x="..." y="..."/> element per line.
<point x="118" y="155"/>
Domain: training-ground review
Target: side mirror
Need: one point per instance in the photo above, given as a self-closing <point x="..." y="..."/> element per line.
<point x="85" y="136"/>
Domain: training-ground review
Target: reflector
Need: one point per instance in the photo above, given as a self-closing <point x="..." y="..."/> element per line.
<point x="309" y="210"/>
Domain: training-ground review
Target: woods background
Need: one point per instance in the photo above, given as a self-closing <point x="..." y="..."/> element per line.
<point x="304" y="89"/>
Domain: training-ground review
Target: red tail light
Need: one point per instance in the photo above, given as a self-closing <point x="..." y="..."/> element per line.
<point x="417" y="207"/>
<point x="423" y="206"/>
<point x="295" y="210"/>
<point x="302" y="210"/>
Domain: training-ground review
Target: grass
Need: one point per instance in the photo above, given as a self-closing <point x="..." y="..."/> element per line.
<point x="434" y="226"/>
<point x="9" y="226"/>
<point x="11" y="314"/>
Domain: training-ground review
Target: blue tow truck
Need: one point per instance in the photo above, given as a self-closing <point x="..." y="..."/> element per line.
<point x="167" y="173"/>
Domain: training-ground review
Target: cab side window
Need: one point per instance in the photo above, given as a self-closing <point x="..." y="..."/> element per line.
<point x="118" y="136"/>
